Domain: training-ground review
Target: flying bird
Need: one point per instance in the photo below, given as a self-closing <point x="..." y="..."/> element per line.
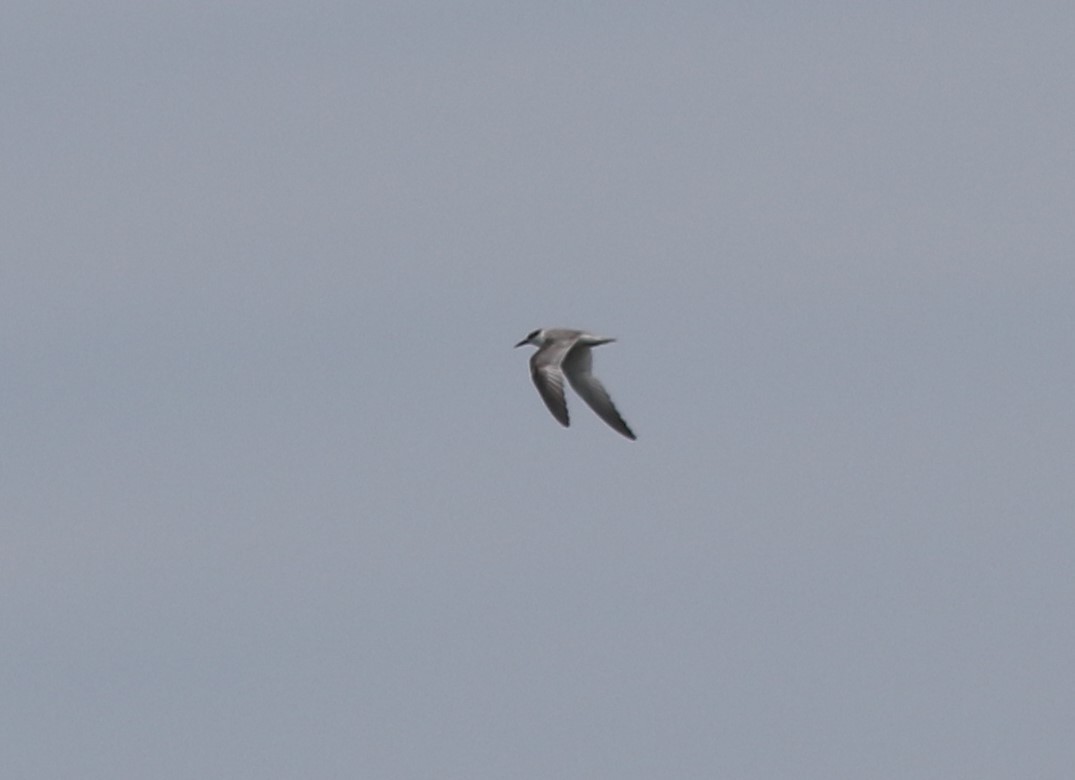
<point x="562" y="352"/>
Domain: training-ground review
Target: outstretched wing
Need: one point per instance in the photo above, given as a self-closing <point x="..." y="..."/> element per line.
<point x="577" y="366"/>
<point x="549" y="379"/>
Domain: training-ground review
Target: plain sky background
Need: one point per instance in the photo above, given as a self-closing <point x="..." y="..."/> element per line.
<point x="279" y="499"/>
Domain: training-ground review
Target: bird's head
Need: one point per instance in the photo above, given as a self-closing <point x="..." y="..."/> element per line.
<point x="536" y="337"/>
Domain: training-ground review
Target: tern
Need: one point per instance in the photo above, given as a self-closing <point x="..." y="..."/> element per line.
<point x="562" y="352"/>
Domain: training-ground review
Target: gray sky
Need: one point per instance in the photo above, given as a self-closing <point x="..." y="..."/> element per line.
<point x="279" y="499"/>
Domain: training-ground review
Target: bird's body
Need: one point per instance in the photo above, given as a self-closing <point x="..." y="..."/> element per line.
<point x="566" y="353"/>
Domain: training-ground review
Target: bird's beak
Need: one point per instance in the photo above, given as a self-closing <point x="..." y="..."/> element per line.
<point x="524" y="341"/>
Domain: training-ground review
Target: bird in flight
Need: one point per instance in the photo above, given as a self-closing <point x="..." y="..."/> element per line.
<point x="562" y="352"/>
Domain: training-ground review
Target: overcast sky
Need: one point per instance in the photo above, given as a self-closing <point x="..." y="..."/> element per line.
<point x="279" y="499"/>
